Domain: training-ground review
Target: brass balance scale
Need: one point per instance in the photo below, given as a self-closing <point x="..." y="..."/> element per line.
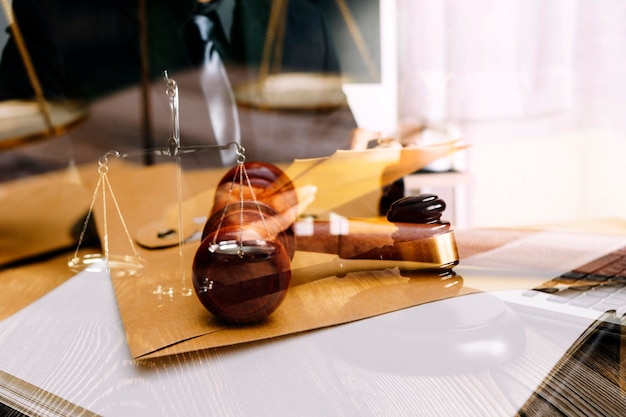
<point x="23" y="121"/>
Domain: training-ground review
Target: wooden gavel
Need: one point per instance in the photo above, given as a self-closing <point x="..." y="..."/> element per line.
<point x="242" y="268"/>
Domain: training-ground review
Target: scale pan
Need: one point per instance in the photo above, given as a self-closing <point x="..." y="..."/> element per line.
<point x="22" y="121"/>
<point x="118" y="265"/>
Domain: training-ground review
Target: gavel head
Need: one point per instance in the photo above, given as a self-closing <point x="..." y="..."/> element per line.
<point x="242" y="269"/>
<point x="263" y="187"/>
<point x="261" y="182"/>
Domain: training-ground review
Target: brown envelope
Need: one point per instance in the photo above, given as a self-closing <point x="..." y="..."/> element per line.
<point x="161" y="313"/>
<point x="329" y="184"/>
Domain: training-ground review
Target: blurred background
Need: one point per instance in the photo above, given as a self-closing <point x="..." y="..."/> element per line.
<point x="535" y="87"/>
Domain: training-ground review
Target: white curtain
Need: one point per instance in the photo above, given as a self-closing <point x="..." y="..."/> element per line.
<point x="482" y="60"/>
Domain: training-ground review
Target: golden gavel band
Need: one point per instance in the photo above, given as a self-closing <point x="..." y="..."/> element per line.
<point x="242" y="269"/>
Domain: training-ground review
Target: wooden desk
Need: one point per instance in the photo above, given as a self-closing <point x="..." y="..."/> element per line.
<point x="68" y="349"/>
<point x="70" y="344"/>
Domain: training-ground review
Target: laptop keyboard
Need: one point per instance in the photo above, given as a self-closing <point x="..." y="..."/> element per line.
<point x="598" y="285"/>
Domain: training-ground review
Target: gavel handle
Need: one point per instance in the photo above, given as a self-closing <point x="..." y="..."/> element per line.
<point x="443" y="256"/>
<point x="413" y="242"/>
